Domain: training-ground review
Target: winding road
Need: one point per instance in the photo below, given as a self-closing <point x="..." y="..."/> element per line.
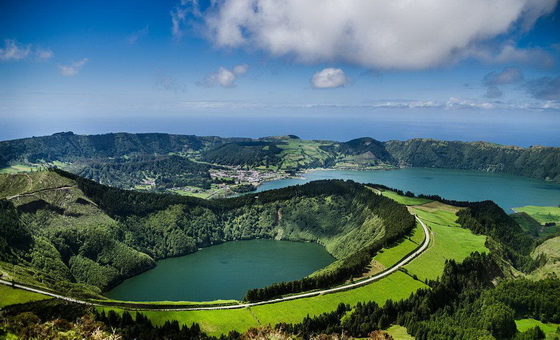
<point x="373" y="278"/>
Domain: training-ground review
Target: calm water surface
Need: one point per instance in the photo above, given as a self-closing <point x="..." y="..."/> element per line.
<point x="466" y="185"/>
<point x="225" y="271"/>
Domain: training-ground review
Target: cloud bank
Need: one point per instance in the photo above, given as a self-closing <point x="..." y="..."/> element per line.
<point x="508" y="76"/>
<point x="387" y="34"/>
<point x="329" y="78"/>
<point x="545" y="88"/>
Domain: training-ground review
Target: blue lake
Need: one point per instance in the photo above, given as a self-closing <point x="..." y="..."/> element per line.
<point x="465" y="185"/>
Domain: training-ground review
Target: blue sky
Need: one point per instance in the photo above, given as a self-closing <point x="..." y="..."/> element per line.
<point x="322" y="69"/>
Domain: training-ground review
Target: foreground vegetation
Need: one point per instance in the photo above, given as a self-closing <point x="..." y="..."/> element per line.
<point x="463" y="304"/>
<point x="461" y="287"/>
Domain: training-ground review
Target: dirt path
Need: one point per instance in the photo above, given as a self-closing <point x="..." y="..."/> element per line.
<point x="25" y="194"/>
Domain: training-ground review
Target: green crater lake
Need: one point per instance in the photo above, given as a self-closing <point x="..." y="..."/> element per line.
<point x="225" y="271"/>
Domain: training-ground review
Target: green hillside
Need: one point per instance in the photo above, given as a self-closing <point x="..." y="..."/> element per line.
<point x="73" y="232"/>
<point x="73" y="235"/>
<point x="536" y="161"/>
<point x="142" y="161"/>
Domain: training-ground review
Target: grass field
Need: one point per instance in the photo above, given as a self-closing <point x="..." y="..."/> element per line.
<point x="30" y="182"/>
<point x="11" y="296"/>
<point x="16" y="168"/>
<point x="399" y="333"/>
<point x="449" y="241"/>
<point x="133" y="304"/>
<point x="551" y="330"/>
<point x="551" y="249"/>
<point x="392" y="255"/>
<point x="541" y="214"/>
<point x="403" y="199"/>
<point x="300" y="153"/>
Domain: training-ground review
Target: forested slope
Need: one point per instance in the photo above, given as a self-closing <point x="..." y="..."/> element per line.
<point x="286" y="153"/>
<point x="161" y="171"/>
<point x="538" y="162"/>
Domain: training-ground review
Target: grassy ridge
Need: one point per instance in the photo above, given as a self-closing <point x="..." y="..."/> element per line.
<point x="449" y="242"/>
<point x="542" y="214"/>
<point x="404" y="199"/>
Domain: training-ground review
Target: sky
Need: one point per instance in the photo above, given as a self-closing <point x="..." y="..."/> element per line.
<point x="320" y="69"/>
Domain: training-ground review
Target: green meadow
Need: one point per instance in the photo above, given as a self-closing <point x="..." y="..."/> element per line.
<point x="399" y="333"/>
<point x="551" y="330"/>
<point x="11" y="296"/>
<point x="404" y="199"/>
<point x="449" y="241"/>
<point x="543" y="215"/>
<point x="540" y="222"/>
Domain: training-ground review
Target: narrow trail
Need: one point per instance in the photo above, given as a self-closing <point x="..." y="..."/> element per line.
<point x="31" y="193"/>
<point x="373" y="278"/>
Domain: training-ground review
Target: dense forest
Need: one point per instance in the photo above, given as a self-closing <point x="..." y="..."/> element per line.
<point x="255" y="153"/>
<point x="82" y="232"/>
<point x="164" y="171"/>
<point x="275" y="152"/>
<point x="69" y="147"/>
<point x="536" y="161"/>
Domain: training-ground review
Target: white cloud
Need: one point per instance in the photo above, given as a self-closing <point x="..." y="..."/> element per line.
<point x="133" y="38"/>
<point x="43" y="54"/>
<point x="390" y="34"/>
<point x="240" y="69"/>
<point x="225" y="77"/>
<point x="14" y="51"/>
<point x="178" y="21"/>
<point x="73" y="68"/>
<point x="509" y="53"/>
<point x="329" y="78"/>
